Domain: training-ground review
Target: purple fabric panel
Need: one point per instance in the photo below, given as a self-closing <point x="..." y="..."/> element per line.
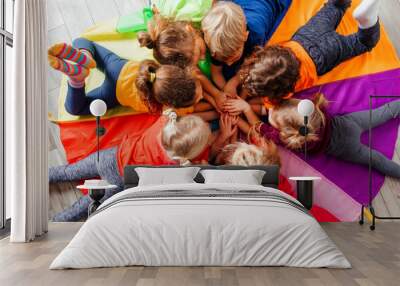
<point x="349" y="96"/>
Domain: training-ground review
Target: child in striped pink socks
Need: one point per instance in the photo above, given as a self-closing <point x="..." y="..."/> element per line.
<point x="72" y="62"/>
<point x="144" y="86"/>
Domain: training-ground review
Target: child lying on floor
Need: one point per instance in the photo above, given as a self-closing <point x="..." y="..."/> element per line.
<point x="145" y="87"/>
<point x="170" y="141"/>
<point x="338" y="136"/>
<point x="275" y="72"/>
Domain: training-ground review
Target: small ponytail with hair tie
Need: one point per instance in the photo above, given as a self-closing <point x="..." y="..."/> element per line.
<point x="152" y="77"/>
<point x="145" y="81"/>
<point x="171" y="115"/>
<point x="170" y="128"/>
<point x="145" y="39"/>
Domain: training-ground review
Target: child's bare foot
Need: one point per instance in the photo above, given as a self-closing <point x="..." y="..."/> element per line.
<point x="366" y="13"/>
<point x="67" y="52"/>
<point x="76" y="73"/>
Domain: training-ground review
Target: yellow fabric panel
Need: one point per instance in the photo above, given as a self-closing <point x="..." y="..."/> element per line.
<point x="127" y="48"/>
<point x="382" y="58"/>
<point x="106" y="31"/>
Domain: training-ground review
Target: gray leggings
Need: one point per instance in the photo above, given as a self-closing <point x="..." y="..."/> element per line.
<point x="87" y="168"/>
<point x="345" y="140"/>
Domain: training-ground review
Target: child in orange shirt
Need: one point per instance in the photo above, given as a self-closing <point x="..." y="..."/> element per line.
<point x="276" y="72"/>
<point x="169" y="141"/>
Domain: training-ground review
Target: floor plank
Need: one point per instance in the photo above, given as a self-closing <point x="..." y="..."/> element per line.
<point x="75" y="15"/>
<point x="375" y="258"/>
<point x="102" y="10"/>
<point x="389" y="17"/>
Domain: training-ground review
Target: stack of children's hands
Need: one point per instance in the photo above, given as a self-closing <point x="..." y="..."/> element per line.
<point x="228" y="126"/>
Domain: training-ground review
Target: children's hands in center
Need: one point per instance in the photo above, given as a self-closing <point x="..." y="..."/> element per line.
<point x="236" y="106"/>
<point x="228" y="125"/>
<point x="221" y="100"/>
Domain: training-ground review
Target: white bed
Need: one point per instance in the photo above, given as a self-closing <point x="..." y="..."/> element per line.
<point x="267" y="229"/>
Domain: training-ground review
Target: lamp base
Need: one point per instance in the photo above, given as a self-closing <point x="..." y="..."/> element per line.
<point x="96" y="195"/>
<point x="305" y="193"/>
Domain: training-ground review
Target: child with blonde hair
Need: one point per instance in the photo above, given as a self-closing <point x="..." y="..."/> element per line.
<point x="169" y="141"/>
<point x="245" y="154"/>
<point x="276" y="72"/>
<point x="145" y="87"/>
<point x="233" y="28"/>
<point x="337" y="136"/>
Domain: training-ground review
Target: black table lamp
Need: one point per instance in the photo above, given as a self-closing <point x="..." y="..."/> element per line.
<point x="98" y="108"/>
<point x="97" y="188"/>
<point x="305" y="184"/>
<point x="305" y="108"/>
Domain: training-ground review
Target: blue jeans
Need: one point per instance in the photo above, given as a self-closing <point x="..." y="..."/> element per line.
<point x="78" y="101"/>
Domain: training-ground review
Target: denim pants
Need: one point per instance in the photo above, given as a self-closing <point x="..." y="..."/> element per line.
<point x="88" y="168"/>
<point x="345" y="139"/>
<point x="325" y="46"/>
<point x="78" y="101"/>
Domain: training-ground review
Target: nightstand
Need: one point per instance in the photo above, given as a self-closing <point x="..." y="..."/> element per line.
<point x="305" y="186"/>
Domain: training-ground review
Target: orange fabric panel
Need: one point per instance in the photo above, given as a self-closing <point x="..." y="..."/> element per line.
<point x="144" y="148"/>
<point x="382" y="58"/>
<point x="79" y="138"/>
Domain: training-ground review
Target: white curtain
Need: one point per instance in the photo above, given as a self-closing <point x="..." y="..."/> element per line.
<point x="26" y="123"/>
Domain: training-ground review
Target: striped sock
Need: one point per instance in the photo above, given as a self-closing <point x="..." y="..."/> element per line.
<point x="67" y="52"/>
<point x="76" y="73"/>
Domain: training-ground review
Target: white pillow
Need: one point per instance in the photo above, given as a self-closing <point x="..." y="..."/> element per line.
<point x="166" y="176"/>
<point x="248" y="177"/>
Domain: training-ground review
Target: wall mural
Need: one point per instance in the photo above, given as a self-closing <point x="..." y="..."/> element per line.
<point x="201" y="89"/>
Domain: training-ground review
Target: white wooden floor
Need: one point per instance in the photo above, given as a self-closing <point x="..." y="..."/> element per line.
<point x="69" y="18"/>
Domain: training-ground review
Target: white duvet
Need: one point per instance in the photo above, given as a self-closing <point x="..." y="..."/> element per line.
<point x="200" y="231"/>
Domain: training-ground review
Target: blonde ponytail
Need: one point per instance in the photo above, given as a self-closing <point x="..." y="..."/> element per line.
<point x="184" y="138"/>
<point x="170" y="128"/>
<point x="290" y="122"/>
<point x="320" y="103"/>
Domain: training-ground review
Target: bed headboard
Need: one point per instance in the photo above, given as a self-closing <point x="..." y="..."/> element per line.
<point x="271" y="177"/>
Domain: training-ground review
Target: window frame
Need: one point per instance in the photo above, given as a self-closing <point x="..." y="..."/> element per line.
<point x="6" y="39"/>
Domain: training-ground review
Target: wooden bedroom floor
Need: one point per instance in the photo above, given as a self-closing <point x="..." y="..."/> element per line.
<point x="375" y="257"/>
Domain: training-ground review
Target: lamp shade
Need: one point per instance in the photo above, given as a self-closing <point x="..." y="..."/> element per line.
<point x="305" y="107"/>
<point x="98" y="107"/>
